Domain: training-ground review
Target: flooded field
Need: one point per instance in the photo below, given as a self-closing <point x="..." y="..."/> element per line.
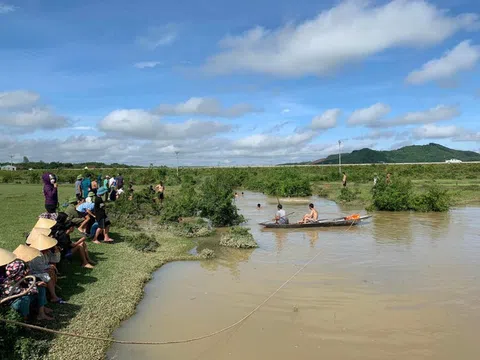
<point x="402" y="286"/>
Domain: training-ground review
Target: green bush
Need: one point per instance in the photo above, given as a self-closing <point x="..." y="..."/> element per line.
<point x="123" y="211"/>
<point x="216" y="203"/>
<point x="434" y="199"/>
<point x="142" y="242"/>
<point x="347" y="195"/>
<point x="397" y="196"/>
<point x="238" y="237"/>
<point x="183" y="204"/>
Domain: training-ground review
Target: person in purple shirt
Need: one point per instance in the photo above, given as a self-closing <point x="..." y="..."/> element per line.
<point x="50" y="191"/>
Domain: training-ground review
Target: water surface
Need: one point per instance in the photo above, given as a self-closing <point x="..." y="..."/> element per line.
<point x="404" y="286"/>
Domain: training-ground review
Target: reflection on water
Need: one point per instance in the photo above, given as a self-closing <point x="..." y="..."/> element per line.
<point x="403" y="286"/>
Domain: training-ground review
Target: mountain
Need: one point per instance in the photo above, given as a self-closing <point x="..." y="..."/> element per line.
<point x="408" y="154"/>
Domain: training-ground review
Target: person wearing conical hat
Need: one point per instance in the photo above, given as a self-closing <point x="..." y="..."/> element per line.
<point x="45" y="223"/>
<point x="35" y="232"/>
<point x="40" y="266"/>
<point x="26" y="253"/>
<point x="11" y="284"/>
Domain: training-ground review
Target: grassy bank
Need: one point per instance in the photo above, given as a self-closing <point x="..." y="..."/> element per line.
<point x="98" y="299"/>
<point x="462" y="191"/>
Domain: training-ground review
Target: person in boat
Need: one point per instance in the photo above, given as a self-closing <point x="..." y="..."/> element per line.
<point x="281" y="216"/>
<point x="311" y="216"/>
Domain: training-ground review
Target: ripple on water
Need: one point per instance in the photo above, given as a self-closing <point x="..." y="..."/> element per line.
<point x="404" y="286"/>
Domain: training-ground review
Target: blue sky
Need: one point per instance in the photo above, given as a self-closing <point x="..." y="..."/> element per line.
<point x="228" y="82"/>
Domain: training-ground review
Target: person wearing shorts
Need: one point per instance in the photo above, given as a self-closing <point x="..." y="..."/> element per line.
<point x="101" y="217"/>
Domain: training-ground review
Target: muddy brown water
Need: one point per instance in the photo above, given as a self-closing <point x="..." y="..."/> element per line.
<point x="403" y="286"/>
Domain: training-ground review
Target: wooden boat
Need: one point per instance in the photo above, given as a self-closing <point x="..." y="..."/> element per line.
<point x="343" y="221"/>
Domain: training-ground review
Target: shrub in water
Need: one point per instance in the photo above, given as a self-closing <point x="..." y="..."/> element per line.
<point x="434" y="199"/>
<point x="216" y="202"/>
<point x="206" y="254"/>
<point x="143" y="242"/>
<point x="238" y="237"/>
<point x="397" y="196"/>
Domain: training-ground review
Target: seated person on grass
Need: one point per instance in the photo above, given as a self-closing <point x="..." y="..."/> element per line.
<point x="41" y="267"/>
<point x="61" y="232"/>
<point x="101" y="217"/>
<point x="11" y="272"/>
<point x="311" y="216"/>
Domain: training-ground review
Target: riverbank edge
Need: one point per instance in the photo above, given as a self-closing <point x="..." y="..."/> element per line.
<point x="172" y="248"/>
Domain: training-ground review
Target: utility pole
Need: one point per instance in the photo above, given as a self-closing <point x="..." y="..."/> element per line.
<point x="176" y="153"/>
<point x="11" y="160"/>
<point x="339" y="156"/>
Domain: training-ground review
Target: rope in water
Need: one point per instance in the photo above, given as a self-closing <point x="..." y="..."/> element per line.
<point x="127" y="342"/>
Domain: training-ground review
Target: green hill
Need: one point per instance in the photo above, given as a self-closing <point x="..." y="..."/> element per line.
<point x="408" y="154"/>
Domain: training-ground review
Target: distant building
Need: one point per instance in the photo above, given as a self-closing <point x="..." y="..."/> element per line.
<point x="453" y="161"/>
<point x="9" y="168"/>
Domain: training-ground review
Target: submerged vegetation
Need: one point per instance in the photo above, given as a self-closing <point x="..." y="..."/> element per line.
<point x="239" y="238"/>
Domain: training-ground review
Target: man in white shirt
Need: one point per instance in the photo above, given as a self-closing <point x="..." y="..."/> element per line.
<point x="281" y="216"/>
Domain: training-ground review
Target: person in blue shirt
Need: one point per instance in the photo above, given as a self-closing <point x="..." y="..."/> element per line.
<point x="86" y="184"/>
<point x="85" y="210"/>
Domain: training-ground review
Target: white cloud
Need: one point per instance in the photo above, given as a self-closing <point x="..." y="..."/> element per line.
<point x="158" y="36"/>
<point x="350" y="31"/>
<point x="431" y="131"/>
<point x="372" y="116"/>
<point x="17" y="99"/>
<point x="285" y="111"/>
<point x="461" y="58"/>
<point x="468" y="136"/>
<point x="438" y="113"/>
<point x="326" y="120"/>
<point x="369" y="115"/>
<point x="205" y="106"/>
<point x="142" y="124"/>
<point x="5" y="8"/>
<point x="264" y="141"/>
<point x="37" y="118"/>
<point x="146" y="64"/>
<point x="378" y="134"/>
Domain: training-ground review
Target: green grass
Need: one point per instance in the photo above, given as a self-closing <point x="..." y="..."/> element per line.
<point x="462" y="191"/>
<point x="98" y="299"/>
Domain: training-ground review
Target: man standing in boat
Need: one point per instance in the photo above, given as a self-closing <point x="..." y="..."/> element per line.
<point x="281" y="216"/>
<point x="310" y="217"/>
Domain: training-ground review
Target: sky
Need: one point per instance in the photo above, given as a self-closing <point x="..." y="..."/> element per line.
<point x="235" y="82"/>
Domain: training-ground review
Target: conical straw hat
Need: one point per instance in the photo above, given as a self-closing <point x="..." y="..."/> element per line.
<point x="43" y="242"/>
<point x="6" y="257"/>
<point x="45" y="223"/>
<point x="26" y="253"/>
<point x="35" y="233"/>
